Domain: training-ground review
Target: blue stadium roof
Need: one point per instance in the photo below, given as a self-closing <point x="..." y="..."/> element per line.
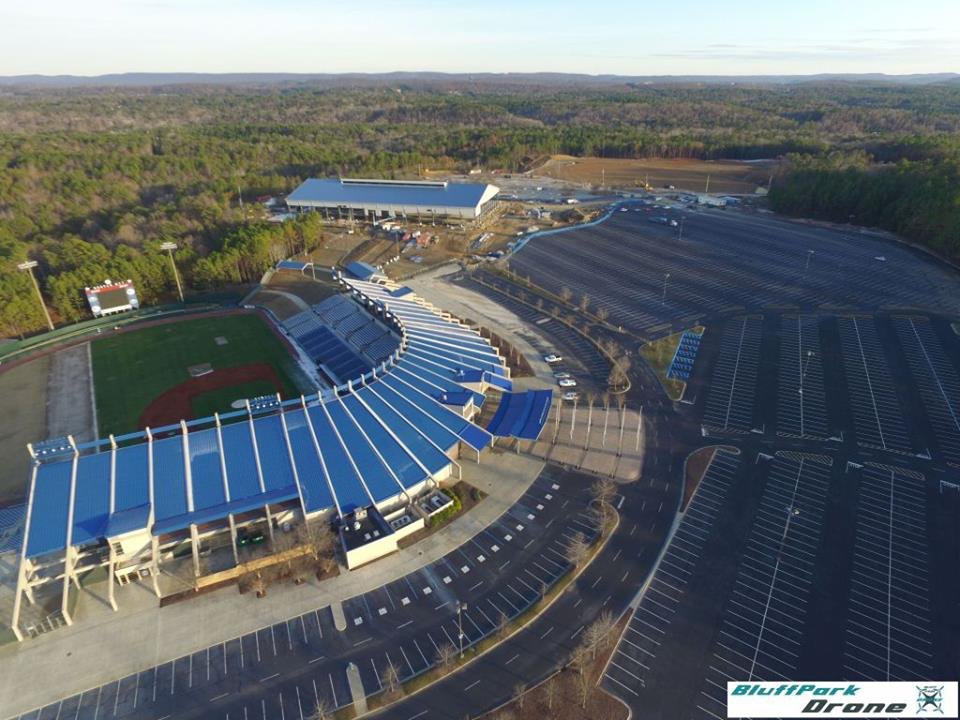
<point x="364" y="443"/>
<point x="521" y="415"/>
<point x="342" y="192"/>
<point x="361" y="270"/>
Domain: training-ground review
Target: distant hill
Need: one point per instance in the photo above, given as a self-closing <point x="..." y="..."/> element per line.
<point x="363" y="79"/>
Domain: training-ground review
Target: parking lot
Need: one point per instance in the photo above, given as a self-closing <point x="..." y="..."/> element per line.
<point x="798" y="568"/>
<point x="888" y="633"/>
<point x="937" y="381"/>
<point x="801" y="399"/>
<point x="282" y="669"/>
<point x="648" y="278"/>
<point x="729" y="407"/>
<point x="878" y="416"/>
<point x="640" y="643"/>
<point x="762" y="628"/>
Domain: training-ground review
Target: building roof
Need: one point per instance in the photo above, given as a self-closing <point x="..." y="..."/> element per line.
<point x="334" y="192"/>
<point x="362" y="270"/>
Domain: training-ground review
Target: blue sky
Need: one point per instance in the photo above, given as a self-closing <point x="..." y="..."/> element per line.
<point x="92" y="37"/>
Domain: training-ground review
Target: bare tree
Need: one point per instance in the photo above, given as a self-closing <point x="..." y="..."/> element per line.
<point x="321" y="711"/>
<point x="577" y="549"/>
<point x="503" y="624"/>
<point x="606" y="418"/>
<point x="597" y="636"/>
<point x="258" y="584"/>
<point x="551" y="690"/>
<point x="602" y="314"/>
<point x="319" y="539"/>
<point x="581" y="662"/>
<point x="540" y="303"/>
<point x="603" y="491"/>
<point x="518" y="691"/>
<point x="390" y="681"/>
<point x="584" y="303"/>
<point x="566" y="294"/>
<point x="445" y="656"/>
<point x="591" y="398"/>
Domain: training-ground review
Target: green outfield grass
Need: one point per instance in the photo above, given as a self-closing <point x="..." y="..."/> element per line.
<point x="131" y="369"/>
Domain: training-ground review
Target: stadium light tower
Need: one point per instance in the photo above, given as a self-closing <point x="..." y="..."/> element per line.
<point x="170" y="247"/>
<point x="29" y="265"/>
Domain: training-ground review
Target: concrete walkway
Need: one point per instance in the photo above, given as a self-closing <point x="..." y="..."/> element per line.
<point x="102" y="645"/>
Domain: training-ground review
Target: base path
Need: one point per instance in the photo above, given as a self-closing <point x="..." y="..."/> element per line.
<point x="175" y="404"/>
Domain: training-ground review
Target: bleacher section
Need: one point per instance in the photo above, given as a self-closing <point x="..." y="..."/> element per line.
<point x="369" y="337"/>
<point x="682" y="364"/>
<point x="521" y="415"/>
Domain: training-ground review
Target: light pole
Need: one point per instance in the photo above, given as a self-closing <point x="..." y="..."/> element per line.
<point x="663" y="300"/>
<point x="461" y="608"/>
<point x="170" y="247"/>
<point x="809" y="255"/>
<point x="803" y="375"/>
<point x="29" y="265"/>
<point x="680" y="232"/>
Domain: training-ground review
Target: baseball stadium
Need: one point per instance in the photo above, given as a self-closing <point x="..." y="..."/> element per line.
<point x="398" y="386"/>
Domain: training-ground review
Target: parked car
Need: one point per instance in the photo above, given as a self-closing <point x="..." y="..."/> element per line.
<point x="561" y="375"/>
<point x="571" y="396"/>
<point x="567" y="383"/>
<point x="552" y="358"/>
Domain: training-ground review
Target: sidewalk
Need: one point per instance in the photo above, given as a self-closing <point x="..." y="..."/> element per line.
<point x="102" y="645"/>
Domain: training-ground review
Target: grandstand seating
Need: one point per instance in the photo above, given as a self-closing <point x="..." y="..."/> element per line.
<point x="682" y="364"/>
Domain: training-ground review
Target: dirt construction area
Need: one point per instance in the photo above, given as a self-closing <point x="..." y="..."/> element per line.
<point x="726" y="176"/>
<point x="24" y="419"/>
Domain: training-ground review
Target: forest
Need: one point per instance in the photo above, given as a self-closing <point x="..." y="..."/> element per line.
<point x="93" y="180"/>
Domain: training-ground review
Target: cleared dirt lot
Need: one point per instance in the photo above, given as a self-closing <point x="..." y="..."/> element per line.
<point x="23" y="419"/>
<point x="726" y="176"/>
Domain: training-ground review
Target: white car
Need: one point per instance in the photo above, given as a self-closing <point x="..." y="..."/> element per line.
<point x="567" y="382"/>
<point x="571" y="396"/>
<point x="561" y="375"/>
<point x="551" y="358"/>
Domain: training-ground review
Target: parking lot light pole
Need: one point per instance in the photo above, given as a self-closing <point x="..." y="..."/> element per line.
<point x="809" y="255"/>
<point x="663" y="300"/>
<point x="170" y="247"/>
<point x="461" y="607"/>
<point x="29" y="265"/>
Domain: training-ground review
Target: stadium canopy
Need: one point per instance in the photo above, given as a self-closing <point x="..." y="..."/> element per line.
<point x="521" y="415"/>
<point x="393" y="197"/>
<point x="369" y="441"/>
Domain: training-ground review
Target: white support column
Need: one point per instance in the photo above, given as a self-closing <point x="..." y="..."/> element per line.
<point x="111" y="580"/>
<point x="68" y="558"/>
<point x="22" y="584"/>
<point x="155" y="574"/>
<point x="226" y="489"/>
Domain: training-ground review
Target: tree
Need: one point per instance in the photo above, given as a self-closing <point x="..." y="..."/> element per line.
<point x="602" y="314"/>
<point x="446" y="654"/>
<point x="321" y="711"/>
<point x="581" y="663"/>
<point x="566" y="294"/>
<point x="577" y="549"/>
<point x="390" y="682"/>
<point x="519" y="691"/>
<point x="584" y="303"/>
<point x="598" y="635"/>
<point x="603" y="491"/>
<point x="318" y="537"/>
<point x="551" y="690"/>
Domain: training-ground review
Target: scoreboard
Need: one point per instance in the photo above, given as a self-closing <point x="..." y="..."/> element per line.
<point x="112" y="297"/>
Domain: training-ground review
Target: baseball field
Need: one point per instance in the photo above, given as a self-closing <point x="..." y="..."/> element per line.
<point x="186" y="369"/>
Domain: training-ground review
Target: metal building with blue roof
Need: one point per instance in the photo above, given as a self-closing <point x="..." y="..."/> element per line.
<point x="405" y="382"/>
<point x="360" y="199"/>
